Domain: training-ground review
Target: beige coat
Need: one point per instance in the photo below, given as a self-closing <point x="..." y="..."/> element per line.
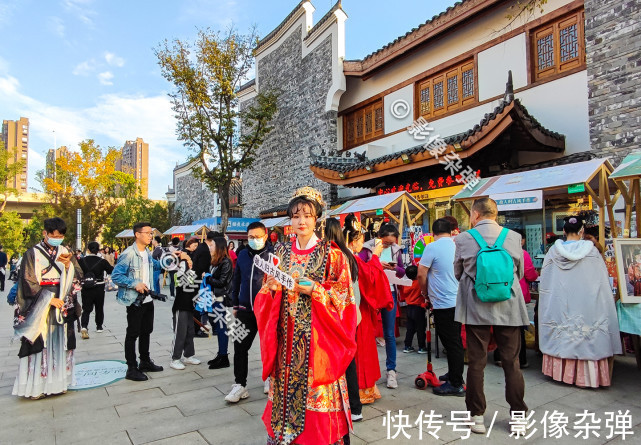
<point x="469" y="309"/>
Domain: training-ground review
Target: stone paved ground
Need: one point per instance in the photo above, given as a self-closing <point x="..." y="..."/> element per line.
<point x="188" y="407"/>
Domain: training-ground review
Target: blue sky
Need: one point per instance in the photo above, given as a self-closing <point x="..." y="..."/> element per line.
<point x="86" y="68"/>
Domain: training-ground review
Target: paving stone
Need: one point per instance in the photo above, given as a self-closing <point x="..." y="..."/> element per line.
<point x="193" y="438"/>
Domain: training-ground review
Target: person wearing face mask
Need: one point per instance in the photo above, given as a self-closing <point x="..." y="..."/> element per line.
<point x="47" y="306"/>
<point x="246" y="283"/>
<point x="578" y="325"/>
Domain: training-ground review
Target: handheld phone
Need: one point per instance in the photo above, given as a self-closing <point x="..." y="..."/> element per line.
<point x="304" y="281"/>
<point x="392" y="263"/>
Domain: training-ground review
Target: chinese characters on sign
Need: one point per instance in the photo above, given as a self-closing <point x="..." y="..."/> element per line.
<point x="554" y="424"/>
<point x="423" y="186"/>
<point x="270" y="267"/>
<point x="420" y="130"/>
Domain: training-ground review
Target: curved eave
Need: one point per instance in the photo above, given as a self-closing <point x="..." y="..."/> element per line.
<point x="489" y="133"/>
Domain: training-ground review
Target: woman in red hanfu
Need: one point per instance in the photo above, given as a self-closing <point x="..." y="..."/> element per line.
<point x="375" y="294"/>
<point x="307" y="334"/>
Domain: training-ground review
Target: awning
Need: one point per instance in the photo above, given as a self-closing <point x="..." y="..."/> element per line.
<point x="233" y="224"/>
<point x="129" y="233"/>
<point x="186" y="230"/>
<point x="274" y="222"/>
<point x="630" y="167"/>
<point x="546" y="179"/>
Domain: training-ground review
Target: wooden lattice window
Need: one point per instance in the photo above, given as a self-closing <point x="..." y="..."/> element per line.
<point x="363" y="125"/>
<point x="447" y="90"/>
<point x="558" y="46"/>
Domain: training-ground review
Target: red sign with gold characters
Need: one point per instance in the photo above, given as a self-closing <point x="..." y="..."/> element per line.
<point x="424" y="185"/>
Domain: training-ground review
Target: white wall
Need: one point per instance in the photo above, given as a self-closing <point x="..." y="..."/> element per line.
<point x="402" y="101"/>
<point x="483" y="30"/>
<point x="495" y="62"/>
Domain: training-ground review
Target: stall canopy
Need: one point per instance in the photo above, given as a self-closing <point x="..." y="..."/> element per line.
<point x="627" y="178"/>
<point x="129" y="233"/>
<point x="280" y="221"/>
<point x="194" y="229"/>
<point x="400" y="207"/>
<point x="233" y="224"/>
<point x="589" y="176"/>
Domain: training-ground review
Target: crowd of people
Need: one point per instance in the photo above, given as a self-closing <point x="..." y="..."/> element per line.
<point x="318" y="311"/>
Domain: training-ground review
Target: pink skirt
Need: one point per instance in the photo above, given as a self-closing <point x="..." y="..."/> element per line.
<point x="582" y="373"/>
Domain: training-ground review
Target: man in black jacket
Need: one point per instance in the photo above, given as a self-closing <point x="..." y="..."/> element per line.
<point x="94" y="268"/>
<point x="246" y="284"/>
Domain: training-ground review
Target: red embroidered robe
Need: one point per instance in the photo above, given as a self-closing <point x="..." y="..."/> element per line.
<point x="306" y="344"/>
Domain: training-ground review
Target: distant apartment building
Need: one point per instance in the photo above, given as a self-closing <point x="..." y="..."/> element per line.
<point x="52" y="158"/>
<point x="135" y="160"/>
<point x="15" y="136"/>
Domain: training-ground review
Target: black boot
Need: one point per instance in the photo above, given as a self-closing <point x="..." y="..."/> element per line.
<point x="149" y="366"/>
<point x="134" y="374"/>
<point x="221" y="361"/>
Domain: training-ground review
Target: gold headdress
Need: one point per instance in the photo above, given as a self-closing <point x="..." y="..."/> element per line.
<point x="309" y="193"/>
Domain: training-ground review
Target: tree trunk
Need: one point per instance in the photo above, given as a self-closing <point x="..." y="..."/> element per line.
<point x="223" y="194"/>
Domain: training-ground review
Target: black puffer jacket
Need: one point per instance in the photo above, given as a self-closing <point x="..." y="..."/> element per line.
<point x="220" y="280"/>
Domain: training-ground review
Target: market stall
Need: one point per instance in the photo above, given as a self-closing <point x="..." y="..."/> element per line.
<point x="182" y="232"/>
<point x="400" y="207"/>
<point x="627" y="177"/>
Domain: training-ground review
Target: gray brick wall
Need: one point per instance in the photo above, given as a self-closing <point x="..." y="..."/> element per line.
<point x="192" y="200"/>
<point x="613" y="51"/>
<point x="301" y="123"/>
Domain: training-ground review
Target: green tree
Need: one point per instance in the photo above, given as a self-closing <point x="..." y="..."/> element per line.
<point x="206" y="105"/>
<point x="8" y="172"/>
<point x="132" y="210"/>
<point x="524" y="8"/>
<point x="11" y="233"/>
<point x="86" y="180"/>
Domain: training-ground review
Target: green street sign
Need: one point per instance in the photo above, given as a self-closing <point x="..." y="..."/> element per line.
<point x="576" y="188"/>
<point x="379" y="212"/>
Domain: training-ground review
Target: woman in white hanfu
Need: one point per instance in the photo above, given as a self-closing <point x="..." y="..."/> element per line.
<point x="46" y="308"/>
<point x="578" y="325"/>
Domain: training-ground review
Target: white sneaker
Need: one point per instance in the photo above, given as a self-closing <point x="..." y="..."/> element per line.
<point x="177" y="364"/>
<point x="479" y="425"/>
<point x="357" y="417"/>
<point x="266" y="387"/>
<point x="237" y="392"/>
<point x="191" y="361"/>
<point x="84" y="334"/>
<point x="391" y="379"/>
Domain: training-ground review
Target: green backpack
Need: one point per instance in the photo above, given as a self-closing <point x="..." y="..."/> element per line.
<point x="494" y="269"/>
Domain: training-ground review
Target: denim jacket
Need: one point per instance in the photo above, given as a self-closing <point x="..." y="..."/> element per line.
<point x="127" y="274"/>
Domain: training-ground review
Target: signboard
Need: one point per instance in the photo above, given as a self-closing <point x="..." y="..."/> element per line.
<point x="379" y="212"/>
<point x="531" y="200"/>
<point x="576" y="188"/>
<point x="233" y="224"/>
<point x="424" y="185"/>
<point x="270" y="267"/>
<point x="98" y="373"/>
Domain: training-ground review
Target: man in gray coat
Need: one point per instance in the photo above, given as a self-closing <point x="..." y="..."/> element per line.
<point x="505" y="317"/>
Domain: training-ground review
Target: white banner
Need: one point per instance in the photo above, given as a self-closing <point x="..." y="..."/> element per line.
<point x="531" y="200"/>
<point x="270" y="267"/>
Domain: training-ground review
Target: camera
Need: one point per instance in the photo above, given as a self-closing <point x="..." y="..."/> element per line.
<point x="148" y="293"/>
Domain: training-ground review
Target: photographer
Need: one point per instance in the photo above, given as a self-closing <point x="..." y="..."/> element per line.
<point x="133" y="275"/>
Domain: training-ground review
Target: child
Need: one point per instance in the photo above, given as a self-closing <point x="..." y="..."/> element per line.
<point x="416" y="304"/>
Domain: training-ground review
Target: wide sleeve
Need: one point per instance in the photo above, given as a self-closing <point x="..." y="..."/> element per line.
<point x="267" y="310"/>
<point x="28" y="284"/>
<point x="333" y="343"/>
<point x="374" y="285"/>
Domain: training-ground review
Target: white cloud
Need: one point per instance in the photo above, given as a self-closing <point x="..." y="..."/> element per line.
<point x="56" y="26"/>
<point x="114" y="60"/>
<point x="6" y="11"/>
<point x="84" y="68"/>
<point x="80" y="8"/>
<point x="113" y="119"/>
<point x="4" y="66"/>
<point x="105" y="78"/>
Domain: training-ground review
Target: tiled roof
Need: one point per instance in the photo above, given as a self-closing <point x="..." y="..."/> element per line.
<point x="246" y="85"/>
<point x="343" y="165"/>
<point x="280" y="26"/>
<point x="279" y="210"/>
<point x="326" y="17"/>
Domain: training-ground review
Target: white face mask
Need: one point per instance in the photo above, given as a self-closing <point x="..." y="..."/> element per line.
<point x="257" y="244"/>
<point x="54" y="242"/>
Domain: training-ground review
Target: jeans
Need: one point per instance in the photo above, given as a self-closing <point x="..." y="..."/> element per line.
<point x="220" y="327"/>
<point x="389" y="323"/>
<point x="241" y="347"/>
<point x="183" y="335"/>
<point x="172" y="283"/>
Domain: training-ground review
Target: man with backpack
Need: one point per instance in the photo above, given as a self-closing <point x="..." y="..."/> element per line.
<point x="489" y="264"/>
<point x="93" y="288"/>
